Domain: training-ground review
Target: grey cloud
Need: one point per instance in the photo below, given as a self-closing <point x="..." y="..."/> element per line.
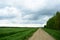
<point x="49" y="10"/>
<point x="6" y="17"/>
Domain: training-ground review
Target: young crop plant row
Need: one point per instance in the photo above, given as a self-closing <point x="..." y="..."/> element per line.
<point x="20" y="34"/>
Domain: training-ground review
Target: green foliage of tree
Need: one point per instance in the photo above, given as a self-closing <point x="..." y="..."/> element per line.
<point x="44" y="26"/>
<point x="57" y="20"/>
<point x="51" y="23"/>
<point x="54" y="22"/>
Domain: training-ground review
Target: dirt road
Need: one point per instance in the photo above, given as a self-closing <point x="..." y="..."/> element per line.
<point x="40" y="34"/>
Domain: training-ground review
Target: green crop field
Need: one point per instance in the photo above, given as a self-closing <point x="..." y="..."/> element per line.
<point x="16" y="33"/>
<point x="54" y="33"/>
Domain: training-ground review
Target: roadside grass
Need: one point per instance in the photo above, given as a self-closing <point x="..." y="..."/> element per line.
<point x="54" y="33"/>
<point x="16" y="33"/>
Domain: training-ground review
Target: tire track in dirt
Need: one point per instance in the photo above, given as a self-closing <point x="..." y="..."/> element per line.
<point x="40" y="34"/>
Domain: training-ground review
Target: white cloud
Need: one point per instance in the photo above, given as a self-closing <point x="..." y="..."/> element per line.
<point x="5" y="22"/>
<point x="21" y="25"/>
<point x="7" y="11"/>
<point x="50" y="4"/>
<point x="11" y="10"/>
<point x="32" y="4"/>
<point x="29" y="16"/>
<point x="44" y="19"/>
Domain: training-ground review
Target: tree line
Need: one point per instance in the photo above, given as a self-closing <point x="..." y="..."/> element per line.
<point x="54" y="22"/>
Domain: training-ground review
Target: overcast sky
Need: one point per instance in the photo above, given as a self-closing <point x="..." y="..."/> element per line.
<point x="27" y="11"/>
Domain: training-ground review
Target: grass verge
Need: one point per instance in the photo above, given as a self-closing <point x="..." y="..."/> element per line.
<point x="54" y="33"/>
